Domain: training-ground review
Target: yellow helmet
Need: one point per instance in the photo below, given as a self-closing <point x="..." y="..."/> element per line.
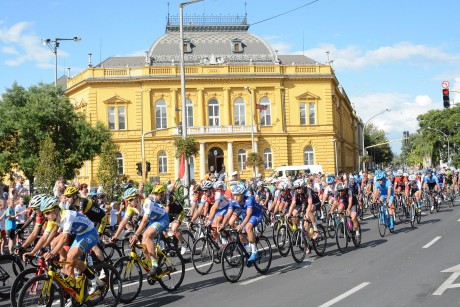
<point x="159" y="189"/>
<point x="70" y="191"/>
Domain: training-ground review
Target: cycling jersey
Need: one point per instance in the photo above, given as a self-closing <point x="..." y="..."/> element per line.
<point x="431" y="181"/>
<point x="401" y="181"/>
<point x="312" y="196"/>
<point x="153" y="210"/>
<point x="221" y="199"/>
<point x="50" y="226"/>
<point x="355" y="188"/>
<point x="386" y="184"/>
<point x="94" y="213"/>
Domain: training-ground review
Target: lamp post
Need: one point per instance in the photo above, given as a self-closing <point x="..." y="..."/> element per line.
<point x="364" y="127"/>
<point x="182" y="83"/>
<point x="252" y="118"/>
<point x="447" y="138"/>
<point x="53" y="45"/>
<point x="335" y="155"/>
<point x="144" y="177"/>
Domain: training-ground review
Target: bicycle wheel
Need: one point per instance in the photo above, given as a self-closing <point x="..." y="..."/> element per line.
<point x="298" y="246"/>
<point x="261" y="227"/>
<point x="203" y="256"/>
<point x="356" y="239"/>
<point x="264" y="249"/>
<point x="186" y="252"/>
<point x="131" y="277"/>
<point x="171" y="271"/>
<point x="10" y="267"/>
<point x="402" y="212"/>
<point x="283" y="241"/>
<point x="382" y="225"/>
<point x="374" y="209"/>
<point x="232" y="262"/>
<point x="438" y="205"/>
<point x="41" y="290"/>
<point x="275" y="228"/>
<point x="341" y="237"/>
<point x="111" y="253"/>
<point x="112" y="281"/>
<point x="418" y="216"/>
<point x="320" y="243"/>
<point x="412" y="215"/>
<point x="19" y="282"/>
<point x="330" y="226"/>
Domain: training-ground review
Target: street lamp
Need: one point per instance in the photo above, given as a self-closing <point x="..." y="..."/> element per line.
<point x="53" y="45"/>
<point x="144" y="177"/>
<point x="364" y="127"/>
<point x="447" y="138"/>
<point x="182" y="83"/>
<point x="335" y="155"/>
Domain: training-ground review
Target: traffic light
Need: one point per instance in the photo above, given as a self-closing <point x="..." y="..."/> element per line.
<point x="445" y="98"/>
<point x="179" y="128"/>
<point x="147" y="167"/>
<point x="139" y="168"/>
<point x="406" y="137"/>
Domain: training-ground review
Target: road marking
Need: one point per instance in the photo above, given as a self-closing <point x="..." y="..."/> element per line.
<point x="344" y="295"/>
<point x="458" y="220"/>
<point x="432" y="242"/>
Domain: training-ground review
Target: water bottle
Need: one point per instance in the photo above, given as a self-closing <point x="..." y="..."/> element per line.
<point x="349" y="225"/>
<point x="89" y="260"/>
<point x="162" y="244"/>
<point x="311" y="231"/>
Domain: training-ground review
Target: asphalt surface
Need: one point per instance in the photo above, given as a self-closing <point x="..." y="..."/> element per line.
<point x="404" y="268"/>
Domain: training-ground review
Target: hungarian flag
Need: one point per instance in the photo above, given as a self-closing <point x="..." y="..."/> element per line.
<point x="182" y="167"/>
<point x="261" y="107"/>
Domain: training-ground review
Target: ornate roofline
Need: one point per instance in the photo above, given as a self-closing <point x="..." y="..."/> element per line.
<point x="207" y="23"/>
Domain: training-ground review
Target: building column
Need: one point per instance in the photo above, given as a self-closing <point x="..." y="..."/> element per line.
<point x="256" y="151"/>
<point x="229" y="158"/>
<point x="226" y="109"/>
<point x="174" y="117"/>
<point x="201" y="110"/>
<point x="202" y="161"/>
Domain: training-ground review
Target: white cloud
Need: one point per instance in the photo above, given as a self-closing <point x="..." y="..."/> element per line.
<point x="24" y="46"/>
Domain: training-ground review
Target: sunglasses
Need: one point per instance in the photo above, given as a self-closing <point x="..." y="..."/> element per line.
<point x="47" y="212"/>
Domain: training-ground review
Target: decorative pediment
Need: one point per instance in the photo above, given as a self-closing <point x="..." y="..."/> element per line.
<point x="116" y="100"/>
<point x="79" y="104"/>
<point x="307" y="96"/>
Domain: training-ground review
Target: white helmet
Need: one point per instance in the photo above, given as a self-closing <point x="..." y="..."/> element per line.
<point x="299" y="183"/>
<point x="412" y="177"/>
<point x="219" y="185"/>
<point x="206" y="185"/>
<point x="399" y="172"/>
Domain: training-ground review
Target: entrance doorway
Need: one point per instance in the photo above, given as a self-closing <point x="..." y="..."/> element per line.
<point x="216" y="160"/>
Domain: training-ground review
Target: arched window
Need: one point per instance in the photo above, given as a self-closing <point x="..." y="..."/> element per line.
<point x="265" y="111"/>
<point x="160" y="114"/>
<point x="189" y="114"/>
<point x="268" y="159"/>
<point x="213" y="111"/>
<point x="308" y="155"/>
<point x="241" y="159"/>
<point x="120" y="169"/>
<point x="239" y="112"/>
<point x="162" y="162"/>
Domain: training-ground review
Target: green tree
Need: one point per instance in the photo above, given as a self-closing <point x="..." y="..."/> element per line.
<point x="382" y="152"/>
<point x="107" y="172"/>
<point x="188" y="146"/>
<point x="49" y="166"/>
<point x="30" y="115"/>
<point x="253" y="161"/>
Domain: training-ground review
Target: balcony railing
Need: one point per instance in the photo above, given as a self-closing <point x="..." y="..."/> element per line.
<point x="217" y="130"/>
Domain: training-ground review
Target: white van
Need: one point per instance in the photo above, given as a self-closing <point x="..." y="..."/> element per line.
<point x="284" y="172"/>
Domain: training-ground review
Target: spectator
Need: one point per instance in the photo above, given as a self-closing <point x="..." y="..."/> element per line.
<point x="84" y="190"/>
<point x="20" y="186"/>
<point x="2" y="227"/>
<point x="10" y="224"/>
<point x="115" y="213"/>
<point x="59" y="187"/>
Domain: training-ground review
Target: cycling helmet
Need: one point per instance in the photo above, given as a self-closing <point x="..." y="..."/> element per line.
<point x="36" y="201"/>
<point x="340" y="186"/>
<point x="206" y="185"/>
<point x="330" y="180"/>
<point x="299" y="183"/>
<point x="405" y="174"/>
<point x="92" y="194"/>
<point x="238" y="189"/>
<point x="380" y="176"/>
<point x="101" y="195"/>
<point x="283" y="185"/>
<point x="49" y="204"/>
<point x="219" y="185"/>
<point x="412" y="177"/>
<point x="159" y="189"/>
<point x="399" y="172"/>
<point x="130" y="193"/>
<point x="260" y="184"/>
<point x="71" y="191"/>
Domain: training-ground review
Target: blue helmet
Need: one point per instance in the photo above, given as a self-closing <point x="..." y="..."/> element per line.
<point x="380" y="176"/>
<point x="330" y="179"/>
<point x="238" y="189"/>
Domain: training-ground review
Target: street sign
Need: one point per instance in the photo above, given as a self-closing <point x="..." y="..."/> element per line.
<point x="449" y="283"/>
<point x="445" y="84"/>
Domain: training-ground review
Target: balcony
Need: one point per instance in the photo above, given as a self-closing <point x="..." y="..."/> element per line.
<point x="217" y="130"/>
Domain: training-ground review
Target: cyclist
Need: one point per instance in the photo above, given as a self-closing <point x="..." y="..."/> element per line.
<point x="284" y="197"/>
<point x="430" y="183"/>
<point x="263" y="194"/>
<point x="314" y="203"/>
<point x="415" y="188"/>
<point x="448" y="182"/>
<point x="133" y="209"/>
<point x="329" y="191"/>
<point x="82" y="227"/>
<point x="355" y="187"/>
<point x="384" y="186"/>
<point x="219" y="208"/>
<point x="348" y="199"/>
<point x="253" y="216"/>
<point x="154" y="222"/>
<point x="206" y="198"/>
<point x="36" y="215"/>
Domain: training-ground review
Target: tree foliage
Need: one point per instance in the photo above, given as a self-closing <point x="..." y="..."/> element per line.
<point x="107" y="174"/>
<point x="49" y="166"/>
<point x="30" y="115"/>
<point x="373" y="136"/>
<point x="188" y="146"/>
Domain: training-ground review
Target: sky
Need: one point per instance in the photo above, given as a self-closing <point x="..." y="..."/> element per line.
<point x="391" y="54"/>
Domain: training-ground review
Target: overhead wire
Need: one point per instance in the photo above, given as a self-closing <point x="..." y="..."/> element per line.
<point x="287" y="12"/>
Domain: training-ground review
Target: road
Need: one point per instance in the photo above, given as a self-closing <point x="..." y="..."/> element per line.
<point x="401" y="269"/>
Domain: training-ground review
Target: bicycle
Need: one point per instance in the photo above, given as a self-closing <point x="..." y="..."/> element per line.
<point x="283" y="237"/>
<point x="415" y="211"/>
<point x="331" y="223"/>
<point x="384" y="219"/>
<point x="300" y="241"/>
<point x="10" y="267"/>
<point x="169" y="273"/>
<point x="436" y="204"/>
<point x="345" y="232"/>
<point x="401" y="208"/>
<point x="49" y="288"/>
<point x="235" y="255"/>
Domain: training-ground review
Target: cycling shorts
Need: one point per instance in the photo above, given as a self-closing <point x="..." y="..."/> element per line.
<point x="390" y="199"/>
<point x="86" y="241"/>
<point x="160" y="224"/>
<point x="255" y="219"/>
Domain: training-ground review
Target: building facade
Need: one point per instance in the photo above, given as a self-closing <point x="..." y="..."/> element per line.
<point x="240" y="94"/>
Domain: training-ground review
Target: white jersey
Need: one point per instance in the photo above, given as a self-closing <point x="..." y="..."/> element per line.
<point x="222" y="199"/>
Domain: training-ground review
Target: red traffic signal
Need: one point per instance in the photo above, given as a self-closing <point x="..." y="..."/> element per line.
<point x="445" y="98"/>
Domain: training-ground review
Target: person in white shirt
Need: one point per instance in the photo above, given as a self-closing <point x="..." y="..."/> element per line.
<point x="20" y="211"/>
<point x="114" y="213"/>
<point x="2" y="226"/>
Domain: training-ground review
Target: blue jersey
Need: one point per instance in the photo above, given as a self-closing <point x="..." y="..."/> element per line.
<point x="386" y="184"/>
<point x="153" y="210"/>
<point x="75" y="223"/>
<point x="249" y="202"/>
<point x="430" y="180"/>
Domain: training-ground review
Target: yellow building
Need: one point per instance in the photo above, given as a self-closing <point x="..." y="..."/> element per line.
<point x="299" y="109"/>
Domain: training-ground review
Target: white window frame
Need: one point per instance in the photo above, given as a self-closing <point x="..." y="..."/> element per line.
<point x="162" y="162"/>
<point x="242" y="160"/>
<point x="308" y="155"/>
<point x="189" y="112"/>
<point x="268" y="158"/>
<point x="213" y="108"/>
<point x="303" y="113"/>
<point x="312" y="113"/>
<point x="111" y="118"/>
<point x="265" y="115"/>
<point x="161" y="116"/>
<point x="120" y="163"/>
<point x="121" y="118"/>
<point x="239" y="112"/>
